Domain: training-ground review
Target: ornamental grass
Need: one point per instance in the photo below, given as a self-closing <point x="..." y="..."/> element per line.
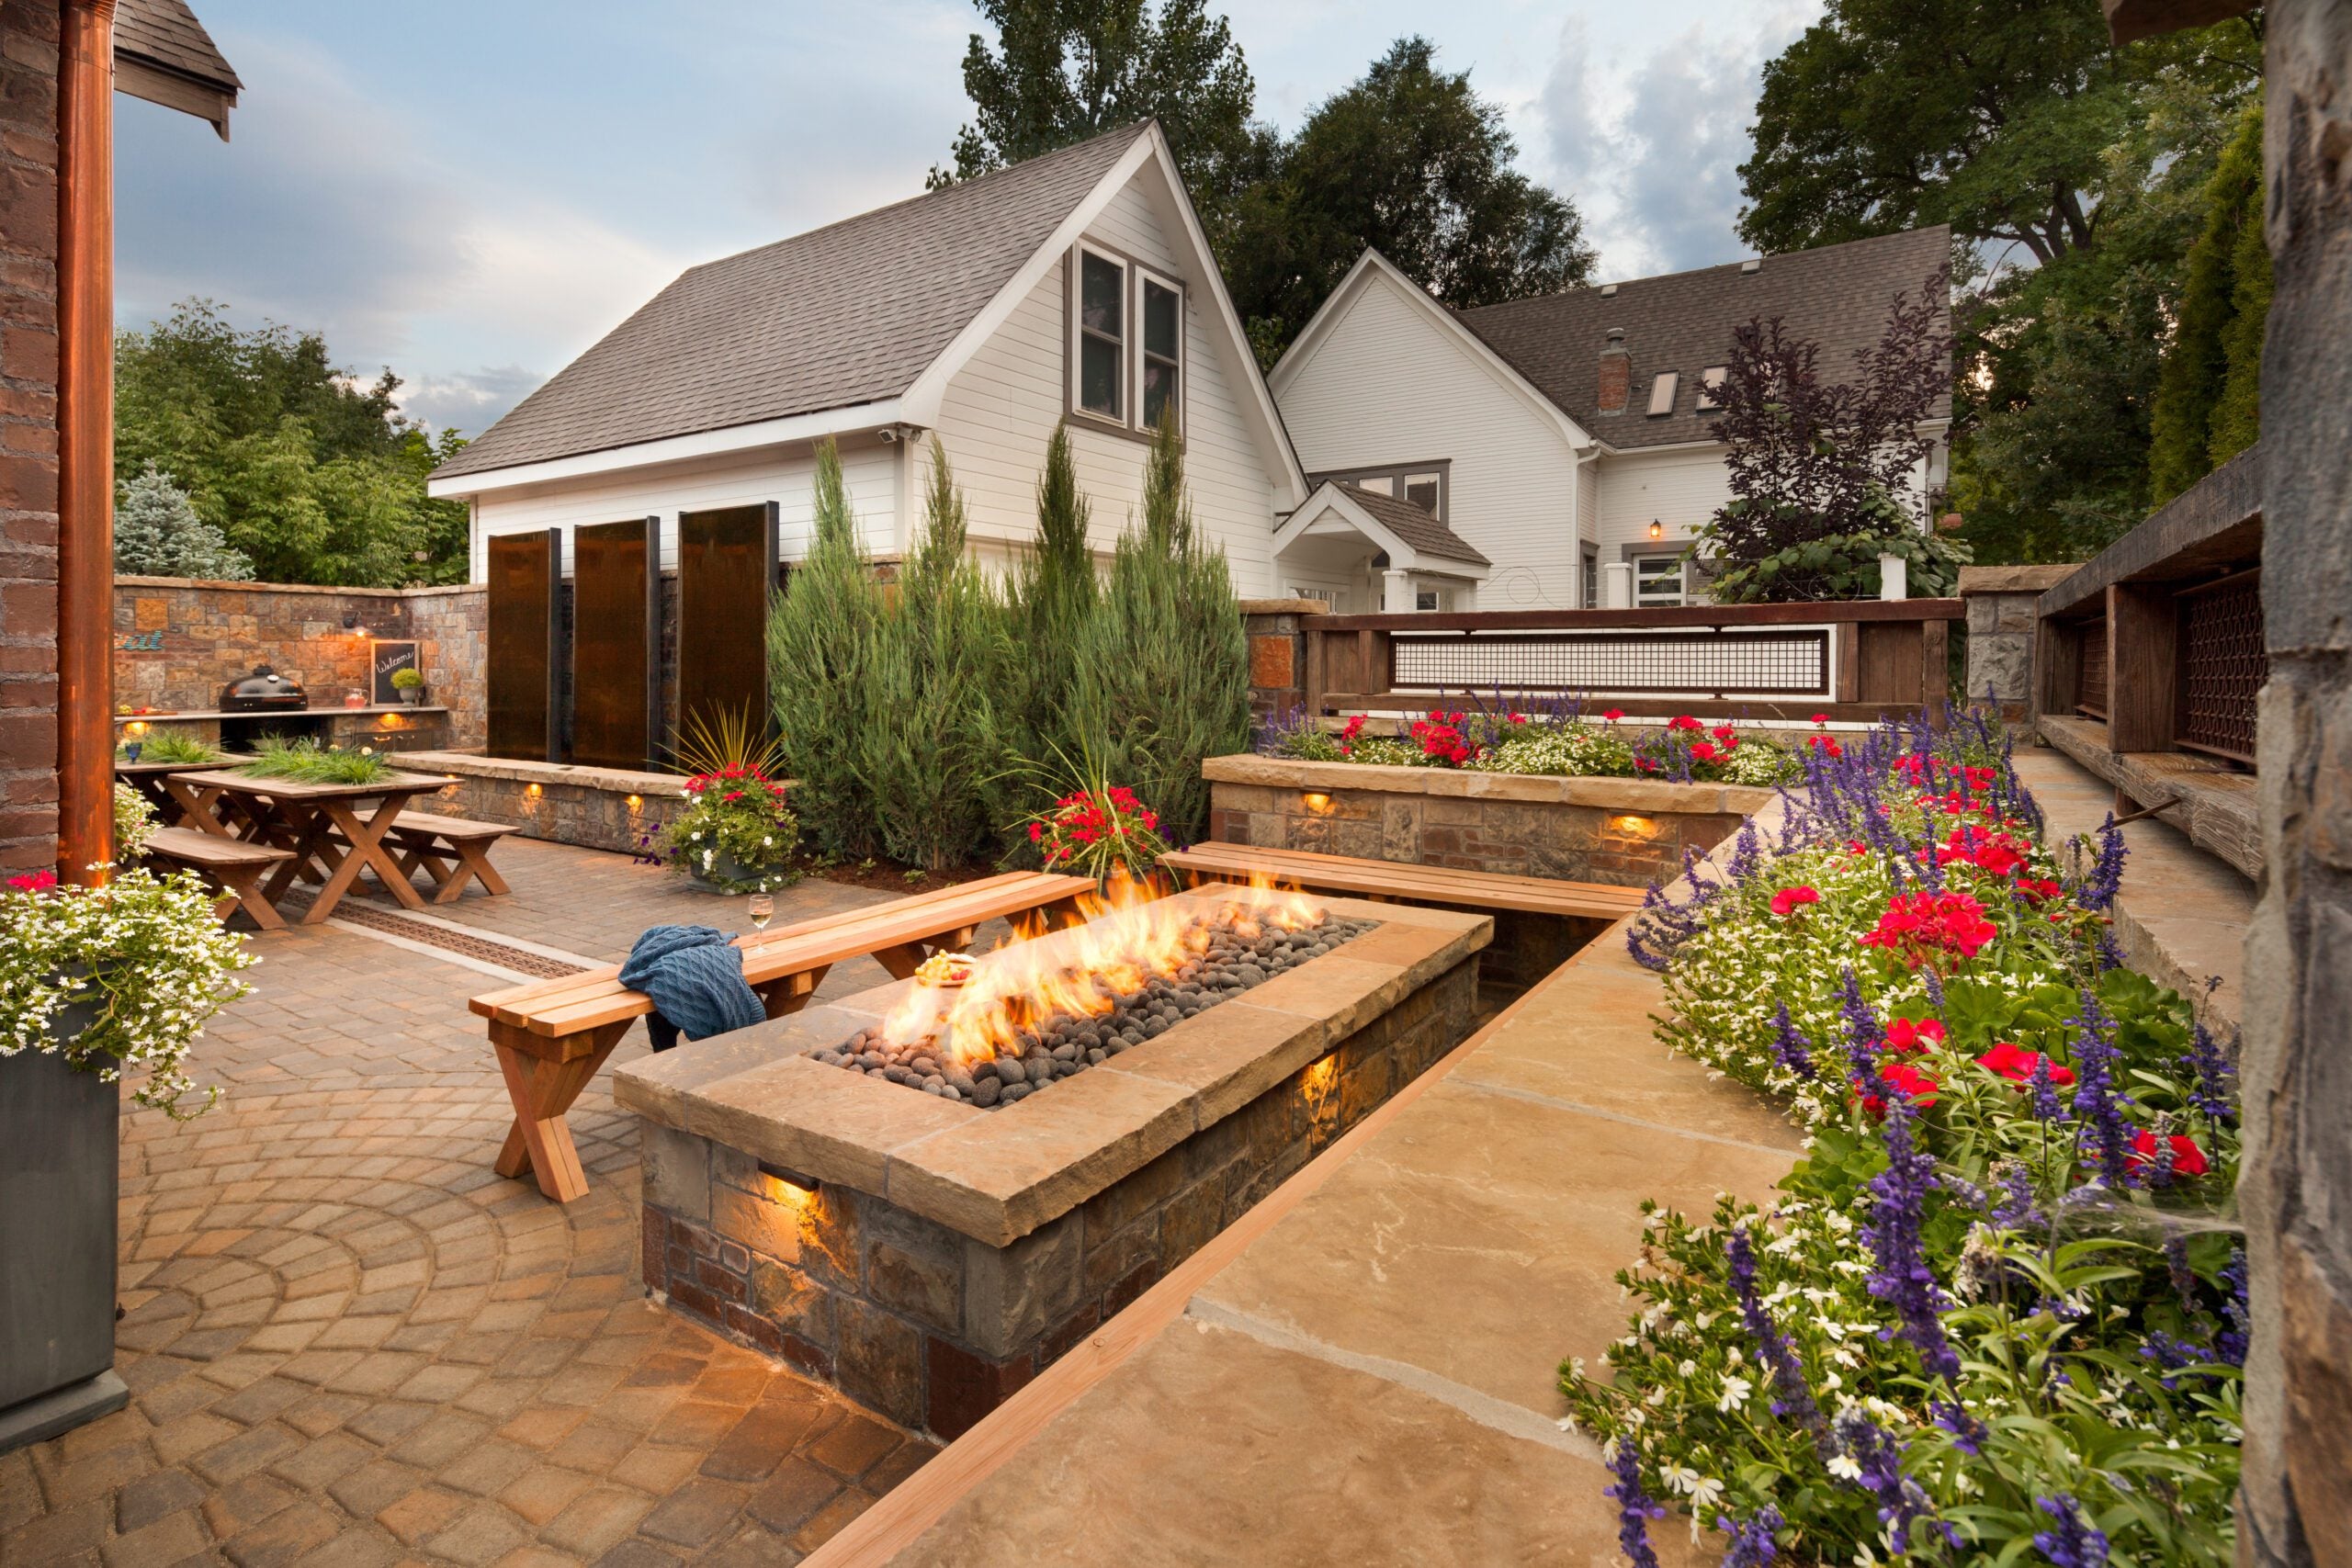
<point x="306" y="762"/>
<point x="1999" y="1312"/>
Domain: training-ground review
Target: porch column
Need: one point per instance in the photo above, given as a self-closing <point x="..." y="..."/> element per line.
<point x="1397" y="592"/>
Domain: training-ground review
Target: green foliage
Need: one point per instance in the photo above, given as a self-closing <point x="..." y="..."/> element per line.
<point x="134" y="823"/>
<point x="408" y="679"/>
<point x="311" y="475"/>
<point x="1053" y="595"/>
<point x="733" y="741"/>
<point x="929" y="744"/>
<point x="2208" y="404"/>
<point x="158" y="534"/>
<point x="171" y="746"/>
<point x="306" y="762"/>
<point x="821" y="631"/>
<point x="1412" y="161"/>
<point x="1842" y="566"/>
<point x="1063" y="71"/>
<point x="1163" y="663"/>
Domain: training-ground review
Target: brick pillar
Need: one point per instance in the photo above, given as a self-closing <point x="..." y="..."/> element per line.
<point x="29" y="434"/>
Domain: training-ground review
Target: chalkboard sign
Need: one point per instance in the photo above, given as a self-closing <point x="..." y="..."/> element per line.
<point x="387" y="656"/>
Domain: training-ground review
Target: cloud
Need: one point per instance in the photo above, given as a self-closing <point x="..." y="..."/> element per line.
<point x="467" y="400"/>
<point x="1650" y="147"/>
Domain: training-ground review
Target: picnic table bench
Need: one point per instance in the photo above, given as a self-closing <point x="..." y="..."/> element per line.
<point x="551" y="1036"/>
<point x="453" y="849"/>
<point x="1398" y="882"/>
<point x="231" y="866"/>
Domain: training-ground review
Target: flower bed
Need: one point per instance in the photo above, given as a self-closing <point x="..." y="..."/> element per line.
<point x="1999" y="1314"/>
<point x="1559" y="740"/>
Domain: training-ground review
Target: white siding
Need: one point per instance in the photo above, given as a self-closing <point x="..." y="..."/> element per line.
<point x="999" y="410"/>
<point x="868" y="473"/>
<point x="1679" y="488"/>
<point x="1389" y="386"/>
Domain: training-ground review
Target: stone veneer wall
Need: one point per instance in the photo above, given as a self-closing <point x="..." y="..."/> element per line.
<point x="1276" y="629"/>
<point x="2001" y="628"/>
<point x="589" y="807"/>
<point x="933" y="1328"/>
<point x="210" y="632"/>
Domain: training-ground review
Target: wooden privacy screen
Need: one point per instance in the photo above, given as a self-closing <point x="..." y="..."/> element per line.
<point x="525" y="574"/>
<point x="726" y="566"/>
<point x="615" y="643"/>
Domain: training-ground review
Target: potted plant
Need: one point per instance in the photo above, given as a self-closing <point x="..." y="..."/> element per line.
<point x="409" y="681"/>
<point x="94" y="983"/>
<point x="736" y="834"/>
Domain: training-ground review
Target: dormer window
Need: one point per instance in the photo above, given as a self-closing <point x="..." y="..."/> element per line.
<point x="1126" y="349"/>
<point x="1662" y="393"/>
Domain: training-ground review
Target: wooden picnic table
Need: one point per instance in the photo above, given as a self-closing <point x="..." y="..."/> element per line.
<point x="307" y="819"/>
<point x="148" y="778"/>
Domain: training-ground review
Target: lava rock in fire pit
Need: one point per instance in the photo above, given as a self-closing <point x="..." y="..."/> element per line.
<point x="1237" y="956"/>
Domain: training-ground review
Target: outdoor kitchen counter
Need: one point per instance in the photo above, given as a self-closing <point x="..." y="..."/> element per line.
<point x="1362" y="1369"/>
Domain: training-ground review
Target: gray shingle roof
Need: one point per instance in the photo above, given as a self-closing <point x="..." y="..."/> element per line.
<point x="839" y="316"/>
<point x="166" y="33"/>
<point x="1837" y="294"/>
<point x="1416" y="528"/>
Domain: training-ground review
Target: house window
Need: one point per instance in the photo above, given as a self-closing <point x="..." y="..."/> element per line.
<point x="1710" y="389"/>
<point x="1591" y="572"/>
<point x="1662" y="393"/>
<point x="1163" y="337"/>
<point x="1325" y="596"/>
<point x="1427" y="599"/>
<point x="1101" y="335"/>
<point x="1658" y="580"/>
<point x="1426" y="485"/>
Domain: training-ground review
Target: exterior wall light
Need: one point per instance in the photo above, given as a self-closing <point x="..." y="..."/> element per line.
<point x="806" y="1185"/>
<point x="1657" y="529"/>
<point x="1634" y="827"/>
<point x="635" y="804"/>
<point x="1317" y="802"/>
<point x="531" y="790"/>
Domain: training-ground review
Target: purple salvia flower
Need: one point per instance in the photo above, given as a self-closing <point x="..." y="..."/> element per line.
<point x="1791" y="1394"/>
<point x="2070" y="1542"/>
<point x="1935" y="987"/>
<point x="1635" y="1508"/>
<point x="1901" y="1501"/>
<point x="2104" y="954"/>
<point x="1902" y="1278"/>
<point x="2106" y="877"/>
<point x="2018" y="1208"/>
<point x="2042" y="1092"/>
<point x="2230" y="1344"/>
<point x="1968" y="1434"/>
<point x="2184" y="1281"/>
<point x="2208" y="1064"/>
<point x="2099" y="1104"/>
<point x="2160" y="1169"/>
<point x="1746" y="854"/>
<point x="1752" y="1545"/>
<point x="1789" y="1048"/>
<point x="1863" y="1035"/>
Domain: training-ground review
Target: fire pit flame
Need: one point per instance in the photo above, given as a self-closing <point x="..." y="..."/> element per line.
<point x="1117" y="942"/>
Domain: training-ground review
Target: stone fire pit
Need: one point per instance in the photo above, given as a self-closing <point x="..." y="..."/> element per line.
<point x="929" y="1256"/>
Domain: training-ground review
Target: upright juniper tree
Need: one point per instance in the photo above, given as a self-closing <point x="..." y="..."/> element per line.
<point x="822" y="634"/>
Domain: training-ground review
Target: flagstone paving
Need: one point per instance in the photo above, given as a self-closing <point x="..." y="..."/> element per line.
<point x="349" y="1343"/>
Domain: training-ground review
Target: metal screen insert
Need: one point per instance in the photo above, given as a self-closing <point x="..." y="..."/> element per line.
<point x="2223" y="666"/>
<point x="1791" y="661"/>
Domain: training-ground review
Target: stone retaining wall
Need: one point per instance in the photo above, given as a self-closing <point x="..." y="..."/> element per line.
<point x="597" y="808"/>
<point x="935" y="1328"/>
<point x="2001" y="628"/>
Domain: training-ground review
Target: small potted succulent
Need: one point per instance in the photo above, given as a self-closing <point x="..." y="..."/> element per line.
<point x="409" y="681"/>
<point x="95" y="984"/>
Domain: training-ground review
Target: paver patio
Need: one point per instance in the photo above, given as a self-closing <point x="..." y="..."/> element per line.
<point x="349" y="1343"/>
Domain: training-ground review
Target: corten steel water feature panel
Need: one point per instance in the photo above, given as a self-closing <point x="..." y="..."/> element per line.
<point x="525" y="574"/>
<point x="616" y="650"/>
<point x="726" y="568"/>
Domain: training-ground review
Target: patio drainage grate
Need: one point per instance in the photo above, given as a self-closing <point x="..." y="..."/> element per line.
<point x="539" y="966"/>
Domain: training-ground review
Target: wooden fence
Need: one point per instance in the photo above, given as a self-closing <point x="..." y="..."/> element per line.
<point x="1852" y="660"/>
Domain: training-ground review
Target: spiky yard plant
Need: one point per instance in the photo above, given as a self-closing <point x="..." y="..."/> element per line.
<point x="169" y="746"/>
<point x="820" y="636"/>
<point x="733" y="738"/>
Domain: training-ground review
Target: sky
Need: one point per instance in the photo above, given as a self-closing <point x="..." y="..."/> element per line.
<point x="471" y="192"/>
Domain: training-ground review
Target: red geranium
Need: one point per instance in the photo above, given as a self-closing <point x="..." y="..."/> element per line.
<point x="1932" y="928"/>
<point x="1705" y="751"/>
<point x="1348" y="733"/>
<point x="1726" y="734"/>
<point x="1683" y="721"/>
<point x="1918" y="1087"/>
<point x="2037" y="891"/>
<point x="1821" y="719"/>
<point x="39" y="881"/>
<point x="2017" y="1064"/>
<point x="1788" y="899"/>
<point x="2187" y="1159"/>
<point x="1612" y="715"/>
<point x="1910" y="1034"/>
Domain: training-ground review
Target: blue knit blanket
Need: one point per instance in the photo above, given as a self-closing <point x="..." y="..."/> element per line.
<point x="694" y="977"/>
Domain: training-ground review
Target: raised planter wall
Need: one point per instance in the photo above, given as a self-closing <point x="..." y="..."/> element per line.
<point x="597" y="808"/>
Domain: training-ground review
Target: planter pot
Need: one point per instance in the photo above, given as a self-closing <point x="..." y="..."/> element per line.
<point x="726" y="869"/>
<point x="412" y="695"/>
<point x="59" y="1136"/>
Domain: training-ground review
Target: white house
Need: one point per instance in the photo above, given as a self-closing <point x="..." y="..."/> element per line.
<point x="1076" y="286"/>
<point x="1545" y="439"/>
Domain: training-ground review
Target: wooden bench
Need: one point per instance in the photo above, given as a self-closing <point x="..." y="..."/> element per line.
<point x="551" y="1035"/>
<point x="452" y="849"/>
<point x="231" y="866"/>
<point x="1386" y="881"/>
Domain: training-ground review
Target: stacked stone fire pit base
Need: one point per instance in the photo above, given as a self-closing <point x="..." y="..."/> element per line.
<point x="930" y="1257"/>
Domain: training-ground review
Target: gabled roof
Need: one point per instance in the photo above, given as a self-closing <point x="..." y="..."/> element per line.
<point x="1836" y="295"/>
<point x="1415" y="525"/>
<point x="162" y="53"/>
<point x="842" y="316"/>
<point x="1412" y="538"/>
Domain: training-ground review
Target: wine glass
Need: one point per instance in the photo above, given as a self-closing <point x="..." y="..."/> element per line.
<point x="763" y="910"/>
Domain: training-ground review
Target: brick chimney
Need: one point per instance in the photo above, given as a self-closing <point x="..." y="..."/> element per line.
<point x="1616" y="375"/>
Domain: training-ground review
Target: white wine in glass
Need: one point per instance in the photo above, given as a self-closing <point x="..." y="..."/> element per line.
<point x="763" y="910"/>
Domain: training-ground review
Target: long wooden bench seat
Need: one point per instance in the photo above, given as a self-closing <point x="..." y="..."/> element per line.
<point x="1399" y="882"/>
<point x="551" y="1035"/>
<point x="452" y="849"/>
<point x="232" y="867"/>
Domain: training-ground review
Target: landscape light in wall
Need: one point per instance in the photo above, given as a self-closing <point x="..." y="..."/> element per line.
<point x="351" y="624"/>
<point x="802" y="1185"/>
<point x="1317" y="802"/>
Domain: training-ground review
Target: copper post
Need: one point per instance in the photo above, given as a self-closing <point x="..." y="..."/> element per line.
<point x="86" y="441"/>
